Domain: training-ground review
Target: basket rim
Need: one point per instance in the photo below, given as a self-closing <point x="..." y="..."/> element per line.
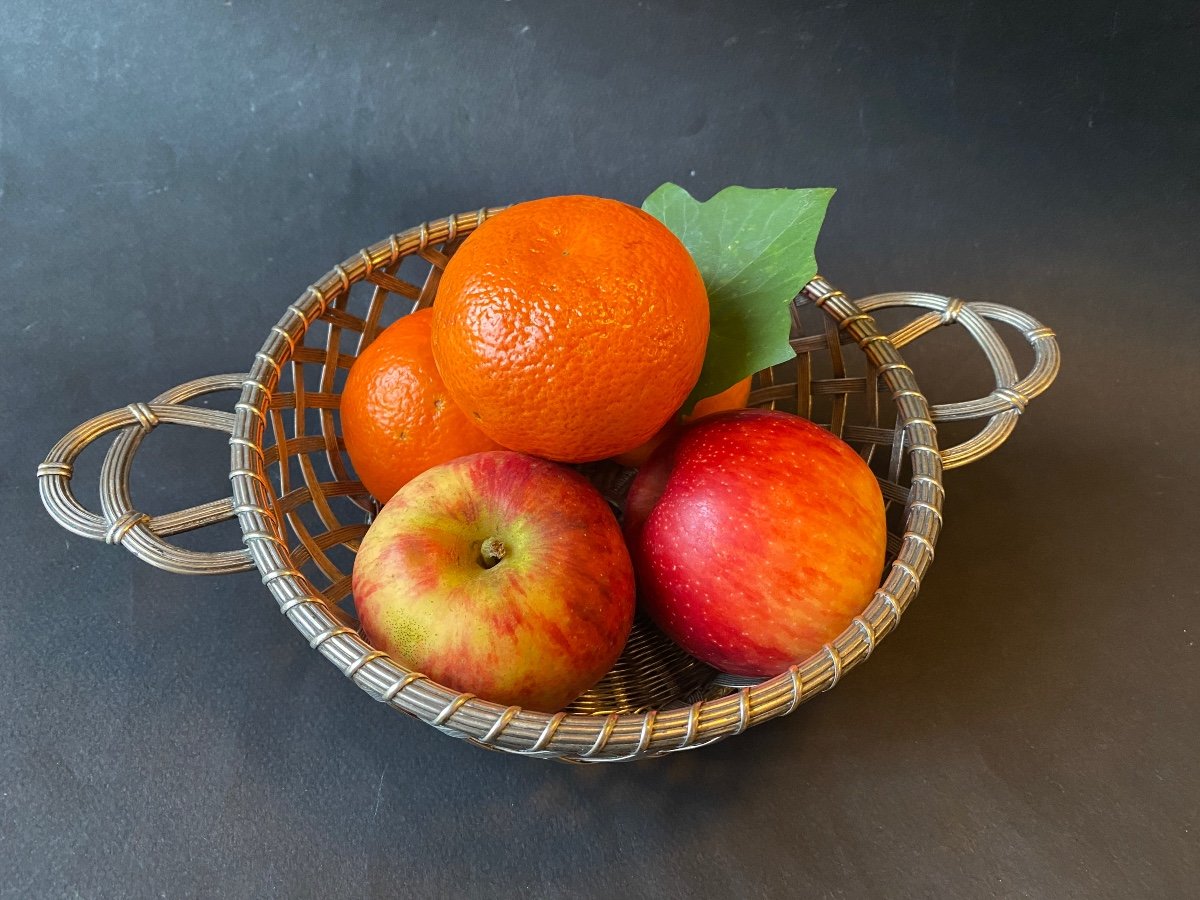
<point x="575" y="736"/>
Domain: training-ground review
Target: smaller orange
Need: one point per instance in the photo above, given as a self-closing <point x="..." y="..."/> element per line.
<point x="397" y="419"/>
<point x="731" y="398"/>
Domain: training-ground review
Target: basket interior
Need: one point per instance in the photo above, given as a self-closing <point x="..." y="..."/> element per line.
<point x="327" y="510"/>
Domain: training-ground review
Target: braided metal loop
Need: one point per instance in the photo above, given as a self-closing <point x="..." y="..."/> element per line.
<point x="1012" y="394"/>
<point x="121" y="523"/>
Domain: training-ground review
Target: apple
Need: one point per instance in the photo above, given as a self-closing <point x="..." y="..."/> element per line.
<point x="498" y="574"/>
<point x="756" y="536"/>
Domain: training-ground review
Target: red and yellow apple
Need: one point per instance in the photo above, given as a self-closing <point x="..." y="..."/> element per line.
<point x="499" y="574"/>
<point x="756" y="537"/>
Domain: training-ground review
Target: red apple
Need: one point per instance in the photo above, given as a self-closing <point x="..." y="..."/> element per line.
<point x="499" y="574"/>
<point x="757" y="537"/>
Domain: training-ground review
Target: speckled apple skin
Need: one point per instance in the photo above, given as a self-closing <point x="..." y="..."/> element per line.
<point x="756" y="536"/>
<point x="536" y="629"/>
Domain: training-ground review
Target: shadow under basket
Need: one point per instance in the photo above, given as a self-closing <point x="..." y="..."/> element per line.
<point x="302" y="512"/>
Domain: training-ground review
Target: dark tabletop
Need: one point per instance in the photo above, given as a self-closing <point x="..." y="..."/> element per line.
<point x="173" y="174"/>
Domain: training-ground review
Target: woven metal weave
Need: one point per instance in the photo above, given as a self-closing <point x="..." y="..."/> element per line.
<point x="302" y="512"/>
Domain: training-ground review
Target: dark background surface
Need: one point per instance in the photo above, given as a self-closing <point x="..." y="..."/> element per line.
<point x="173" y="174"/>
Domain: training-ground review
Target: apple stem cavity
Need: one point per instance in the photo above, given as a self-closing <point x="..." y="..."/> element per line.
<point x="491" y="551"/>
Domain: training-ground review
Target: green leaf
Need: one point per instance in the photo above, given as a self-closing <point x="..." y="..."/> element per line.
<point x="754" y="248"/>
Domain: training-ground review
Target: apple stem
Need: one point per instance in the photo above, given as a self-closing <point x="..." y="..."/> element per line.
<point x="491" y="551"/>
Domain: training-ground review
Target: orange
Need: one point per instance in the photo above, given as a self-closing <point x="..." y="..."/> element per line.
<point x="734" y="397"/>
<point x="731" y="398"/>
<point x="570" y="327"/>
<point x="397" y="418"/>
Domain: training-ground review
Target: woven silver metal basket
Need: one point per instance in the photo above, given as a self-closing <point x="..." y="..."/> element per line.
<point x="302" y="512"/>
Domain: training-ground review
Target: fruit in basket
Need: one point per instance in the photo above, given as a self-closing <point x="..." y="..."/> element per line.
<point x="757" y="536"/>
<point x="397" y="417"/>
<point x="499" y="574"/>
<point x="730" y="398"/>
<point x="571" y="327"/>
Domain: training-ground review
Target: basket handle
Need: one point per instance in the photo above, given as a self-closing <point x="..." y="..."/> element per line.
<point x="140" y="534"/>
<point x="1004" y="405"/>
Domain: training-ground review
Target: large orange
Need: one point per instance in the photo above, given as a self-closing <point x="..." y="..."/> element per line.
<point x="571" y="327"/>
<point x="397" y="418"/>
